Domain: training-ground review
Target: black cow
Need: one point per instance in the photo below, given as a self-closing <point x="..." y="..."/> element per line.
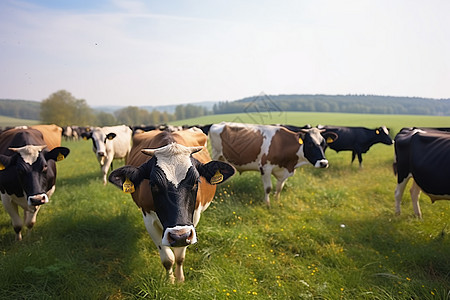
<point x="27" y="174"/>
<point x="357" y="139"/>
<point x="424" y="155"/>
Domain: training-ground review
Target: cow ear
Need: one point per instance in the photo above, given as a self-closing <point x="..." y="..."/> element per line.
<point x="110" y="136"/>
<point x="127" y="178"/>
<point x="57" y="154"/>
<point x="5" y="161"/>
<point x="301" y="136"/>
<point x="86" y="135"/>
<point x="329" y="136"/>
<point x="216" y="171"/>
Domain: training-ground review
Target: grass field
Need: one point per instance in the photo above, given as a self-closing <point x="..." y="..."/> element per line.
<point x="332" y="235"/>
<point x="7" y="121"/>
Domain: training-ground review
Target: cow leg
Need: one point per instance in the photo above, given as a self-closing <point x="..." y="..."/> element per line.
<point x="353" y="156"/>
<point x="180" y="253"/>
<point x="267" y="183"/>
<point x="105" y="168"/>
<point x="154" y="229"/>
<point x="360" y="159"/>
<point x="30" y="216"/>
<point x="13" y="211"/>
<point x="281" y="176"/>
<point x="415" y="193"/>
<point x="399" y="194"/>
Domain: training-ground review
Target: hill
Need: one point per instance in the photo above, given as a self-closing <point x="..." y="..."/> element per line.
<point x="365" y="104"/>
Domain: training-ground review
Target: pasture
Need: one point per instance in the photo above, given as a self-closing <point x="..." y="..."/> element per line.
<point x="332" y="235"/>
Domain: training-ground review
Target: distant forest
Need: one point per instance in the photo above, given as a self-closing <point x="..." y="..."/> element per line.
<point x="20" y="109"/>
<point x="365" y="104"/>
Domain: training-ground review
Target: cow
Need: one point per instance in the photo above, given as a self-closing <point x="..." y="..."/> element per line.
<point x="423" y="155"/>
<point x="357" y="139"/>
<point x="27" y="174"/>
<point x="52" y="134"/>
<point x="172" y="187"/>
<point x="269" y="149"/>
<point x="109" y="143"/>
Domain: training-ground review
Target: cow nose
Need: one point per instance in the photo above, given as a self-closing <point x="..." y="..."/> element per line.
<point x="322" y="163"/>
<point x="180" y="236"/>
<point x="36" y="200"/>
<point x="101" y="153"/>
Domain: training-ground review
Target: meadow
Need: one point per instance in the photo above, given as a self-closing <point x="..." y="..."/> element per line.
<point x="332" y="235"/>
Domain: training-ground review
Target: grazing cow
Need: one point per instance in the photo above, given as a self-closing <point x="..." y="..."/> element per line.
<point x="52" y="134"/>
<point x="27" y="174"/>
<point x="358" y="139"/>
<point x="172" y="188"/>
<point x="269" y="149"/>
<point x="424" y="155"/>
<point x="109" y="143"/>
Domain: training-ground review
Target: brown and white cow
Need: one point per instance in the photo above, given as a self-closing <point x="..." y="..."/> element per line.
<point x="172" y="187"/>
<point x="27" y="173"/>
<point x="269" y="149"/>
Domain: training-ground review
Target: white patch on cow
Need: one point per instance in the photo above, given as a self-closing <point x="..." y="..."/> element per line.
<point x="174" y="160"/>
<point x="385" y="130"/>
<point x="29" y="153"/>
<point x="192" y="240"/>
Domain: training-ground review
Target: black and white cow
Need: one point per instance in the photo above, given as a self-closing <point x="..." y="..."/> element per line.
<point x="27" y="174"/>
<point x="357" y="139"/>
<point x="424" y="155"/>
<point x="109" y="143"/>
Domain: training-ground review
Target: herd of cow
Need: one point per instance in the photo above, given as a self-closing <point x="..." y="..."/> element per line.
<point x="172" y="178"/>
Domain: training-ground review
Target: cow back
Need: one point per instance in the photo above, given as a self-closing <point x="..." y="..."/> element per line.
<point x="156" y="139"/>
<point x="52" y="135"/>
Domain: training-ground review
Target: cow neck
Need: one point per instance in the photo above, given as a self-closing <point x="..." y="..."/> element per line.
<point x="175" y="161"/>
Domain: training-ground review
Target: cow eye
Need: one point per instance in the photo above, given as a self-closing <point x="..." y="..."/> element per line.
<point x="154" y="188"/>
<point x="44" y="170"/>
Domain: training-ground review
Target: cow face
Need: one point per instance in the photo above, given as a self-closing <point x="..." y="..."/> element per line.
<point x="314" y="142"/>
<point x="99" y="143"/>
<point x="382" y="135"/>
<point x="34" y="169"/>
<point x="174" y="176"/>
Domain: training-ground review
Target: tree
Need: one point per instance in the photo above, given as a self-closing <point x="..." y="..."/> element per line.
<point x="62" y="109"/>
<point x="105" y="119"/>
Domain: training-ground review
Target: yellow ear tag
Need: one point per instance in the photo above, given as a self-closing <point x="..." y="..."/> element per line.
<point x="300" y="141"/>
<point x="128" y="186"/>
<point x="59" y="157"/>
<point x="329" y="140"/>
<point x="218" y="177"/>
<point x="2" y="167"/>
<point x="377" y="131"/>
<point x="84" y="138"/>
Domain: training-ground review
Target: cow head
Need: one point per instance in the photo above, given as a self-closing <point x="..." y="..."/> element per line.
<point x="34" y="167"/>
<point x="382" y="135"/>
<point x="99" y="143"/>
<point x="314" y="142"/>
<point x="173" y="176"/>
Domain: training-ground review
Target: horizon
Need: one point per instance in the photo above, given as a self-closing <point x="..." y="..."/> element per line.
<point x="120" y="53"/>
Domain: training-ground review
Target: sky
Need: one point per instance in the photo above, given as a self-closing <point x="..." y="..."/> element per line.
<point x="150" y="53"/>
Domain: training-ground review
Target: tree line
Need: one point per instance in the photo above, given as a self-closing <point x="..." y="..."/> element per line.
<point x="63" y="109"/>
<point x="363" y="104"/>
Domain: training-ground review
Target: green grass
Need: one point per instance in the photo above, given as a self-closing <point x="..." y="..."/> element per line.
<point x="332" y="235"/>
<point x="8" y="121"/>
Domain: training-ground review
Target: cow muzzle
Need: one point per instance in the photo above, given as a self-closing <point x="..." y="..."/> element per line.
<point x="179" y="236"/>
<point x="36" y="200"/>
<point x="323" y="163"/>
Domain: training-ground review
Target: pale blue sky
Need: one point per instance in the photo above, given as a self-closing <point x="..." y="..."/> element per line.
<point x="117" y="52"/>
